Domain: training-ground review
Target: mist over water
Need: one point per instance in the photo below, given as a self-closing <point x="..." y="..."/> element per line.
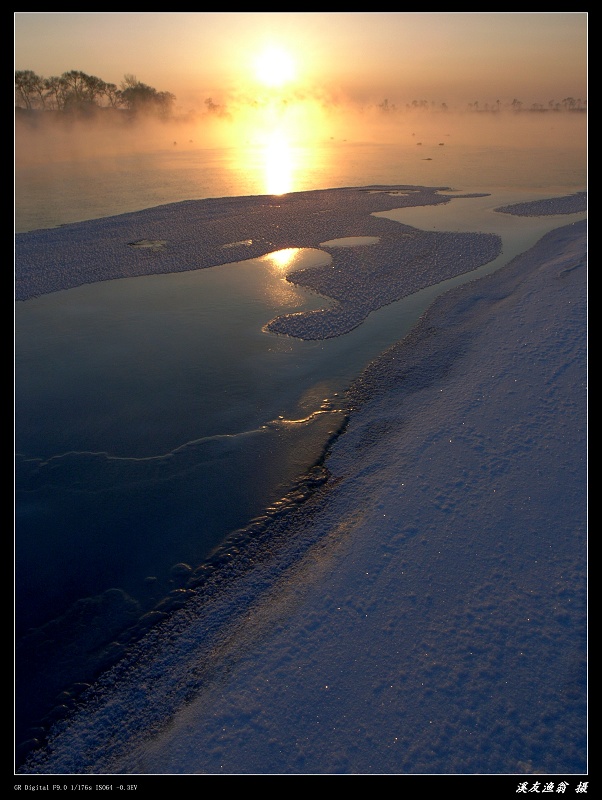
<point x="69" y="171"/>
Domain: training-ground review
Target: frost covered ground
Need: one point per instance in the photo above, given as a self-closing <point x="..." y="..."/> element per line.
<point x="204" y="233"/>
<point x="424" y="611"/>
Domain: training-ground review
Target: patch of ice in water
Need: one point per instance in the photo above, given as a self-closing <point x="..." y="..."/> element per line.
<point x="152" y="244"/>
<point x="351" y="241"/>
<point x="243" y="243"/>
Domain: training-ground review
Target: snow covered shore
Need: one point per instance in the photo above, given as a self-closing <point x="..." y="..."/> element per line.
<point x="424" y="612"/>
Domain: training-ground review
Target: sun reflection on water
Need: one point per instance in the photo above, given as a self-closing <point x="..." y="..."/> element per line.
<point x="283" y="259"/>
<point x="278" y="144"/>
<point x="278" y="164"/>
<point x="281" y="264"/>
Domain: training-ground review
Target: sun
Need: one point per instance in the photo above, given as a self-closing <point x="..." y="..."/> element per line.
<point x="275" y="67"/>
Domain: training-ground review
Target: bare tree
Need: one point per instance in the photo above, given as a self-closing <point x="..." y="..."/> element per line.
<point x="80" y="90"/>
<point x="138" y="97"/>
<point x="111" y="92"/>
<point x="53" y="92"/>
<point x="29" y="89"/>
<point x="77" y="91"/>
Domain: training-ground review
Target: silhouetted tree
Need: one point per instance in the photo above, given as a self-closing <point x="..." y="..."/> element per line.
<point x="137" y="96"/>
<point x="54" y="92"/>
<point x="386" y="106"/>
<point x="215" y="108"/>
<point x="77" y="91"/>
<point x="29" y="89"/>
<point x="111" y="92"/>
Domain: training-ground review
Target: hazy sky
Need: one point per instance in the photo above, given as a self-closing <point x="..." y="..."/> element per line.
<point x="452" y="57"/>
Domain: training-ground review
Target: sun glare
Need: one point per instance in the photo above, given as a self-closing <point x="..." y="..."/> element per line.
<point x="274" y="67"/>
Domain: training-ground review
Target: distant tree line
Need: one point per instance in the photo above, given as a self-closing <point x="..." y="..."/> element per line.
<point x="76" y="91"/>
<point x="567" y="104"/>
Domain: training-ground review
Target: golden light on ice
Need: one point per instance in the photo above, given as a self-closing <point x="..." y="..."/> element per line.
<point x="274" y="67"/>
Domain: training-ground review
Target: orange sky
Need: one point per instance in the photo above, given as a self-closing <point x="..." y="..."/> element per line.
<point x="361" y="57"/>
